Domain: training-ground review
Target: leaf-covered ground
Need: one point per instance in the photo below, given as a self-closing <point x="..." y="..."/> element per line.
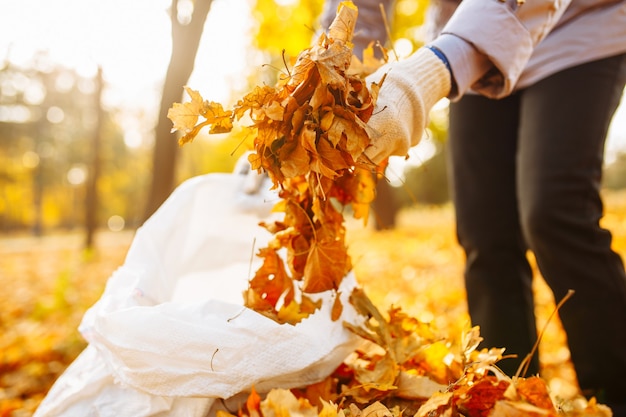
<point x="49" y="282"/>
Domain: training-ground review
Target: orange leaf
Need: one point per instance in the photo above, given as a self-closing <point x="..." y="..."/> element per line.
<point x="269" y="283"/>
<point x="295" y="159"/>
<point x="253" y="403"/>
<point x="325" y="267"/>
<point x="481" y="397"/>
<point x="337" y="308"/>
<point x="534" y="391"/>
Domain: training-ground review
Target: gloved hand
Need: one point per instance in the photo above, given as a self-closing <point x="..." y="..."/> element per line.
<point x="411" y="88"/>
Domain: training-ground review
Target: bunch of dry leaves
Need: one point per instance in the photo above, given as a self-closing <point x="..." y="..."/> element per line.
<point x="310" y="132"/>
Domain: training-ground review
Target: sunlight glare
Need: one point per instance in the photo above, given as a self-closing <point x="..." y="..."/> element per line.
<point x="285" y="2"/>
<point x="55" y="115"/>
<point x="77" y="175"/>
<point x="132" y="138"/>
<point x="185" y="11"/>
<point x="403" y="47"/>
<point x="116" y="223"/>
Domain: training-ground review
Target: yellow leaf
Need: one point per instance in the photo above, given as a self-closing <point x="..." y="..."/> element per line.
<point x="415" y="387"/>
<point x="295" y="312"/>
<point x="184" y="116"/>
<point x="222" y="413"/>
<point x="282" y="402"/>
<point x="219" y="119"/>
<point x="329" y="410"/>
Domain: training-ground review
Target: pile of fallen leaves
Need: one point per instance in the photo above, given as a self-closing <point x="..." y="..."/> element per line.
<point x="310" y="133"/>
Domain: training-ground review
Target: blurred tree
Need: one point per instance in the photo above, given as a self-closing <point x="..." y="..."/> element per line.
<point x="187" y="30"/>
<point x="43" y="112"/>
<point x="47" y="115"/>
<point x="92" y="195"/>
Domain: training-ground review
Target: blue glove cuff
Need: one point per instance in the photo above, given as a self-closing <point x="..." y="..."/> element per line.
<point x="441" y="56"/>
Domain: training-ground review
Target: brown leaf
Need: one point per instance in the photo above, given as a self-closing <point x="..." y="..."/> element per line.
<point x="337" y="309"/>
<point x="332" y="63"/>
<point x="326" y="266"/>
<point x="295" y="160"/>
<point x="332" y="159"/>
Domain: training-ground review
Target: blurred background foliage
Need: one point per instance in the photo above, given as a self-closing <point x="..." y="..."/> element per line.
<point x="49" y="116"/>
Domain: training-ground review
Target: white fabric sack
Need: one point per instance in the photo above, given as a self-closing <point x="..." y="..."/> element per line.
<point x="170" y="334"/>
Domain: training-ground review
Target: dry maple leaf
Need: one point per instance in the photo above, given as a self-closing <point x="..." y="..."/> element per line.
<point x="479" y="399"/>
<point x="280" y="403"/>
<point x="534" y="391"/>
<point x="185" y="117"/>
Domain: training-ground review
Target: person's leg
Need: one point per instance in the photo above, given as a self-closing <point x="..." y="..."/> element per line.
<point x="563" y="126"/>
<point x="483" y="146"/>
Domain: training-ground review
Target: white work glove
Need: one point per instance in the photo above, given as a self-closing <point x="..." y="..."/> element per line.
<point x="410" y="89"/>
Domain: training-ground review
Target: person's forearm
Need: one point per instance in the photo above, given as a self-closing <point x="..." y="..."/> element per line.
<point x="503" y="33"/>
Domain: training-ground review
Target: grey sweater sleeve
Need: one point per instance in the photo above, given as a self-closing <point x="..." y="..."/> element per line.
<point x="489" y="42"/>
<point x="467" y="64"/>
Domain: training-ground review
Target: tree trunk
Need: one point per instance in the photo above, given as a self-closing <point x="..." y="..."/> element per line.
<point x="185" y="42"/>
<point x="91" y="197"/>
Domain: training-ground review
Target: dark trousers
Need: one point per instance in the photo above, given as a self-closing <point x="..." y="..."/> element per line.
<point x="525" y="175"/>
